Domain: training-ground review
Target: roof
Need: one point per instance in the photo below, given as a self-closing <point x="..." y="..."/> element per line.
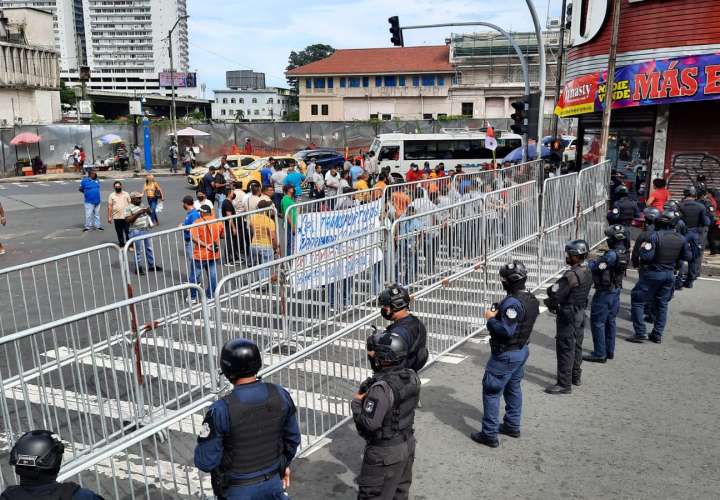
<point x="421" y="59"/>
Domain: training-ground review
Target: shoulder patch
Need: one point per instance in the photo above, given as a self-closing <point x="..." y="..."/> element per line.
<point x="555" y="287"/>
<point x="616" y="211"/>
<point x="369" y="406"/>
<point x="204" y="430"/>
<point x="602" y="266"/>
<point x="511" y="313"/>
<point x="647" y="246"/>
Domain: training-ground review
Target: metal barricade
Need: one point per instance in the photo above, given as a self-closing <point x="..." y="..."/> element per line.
<point x="398" y="197"/>
<point x="558" y="219"/>
<point x="593" y="186"/>
<point x="98" y="375"/>
<point x="510" y="215"/>
<point x="523" y="172"/>
<point x="499" y="178"/>
<point x="49" y="289"/>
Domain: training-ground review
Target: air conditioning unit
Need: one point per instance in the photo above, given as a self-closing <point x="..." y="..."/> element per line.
<point x="553" y="24"/>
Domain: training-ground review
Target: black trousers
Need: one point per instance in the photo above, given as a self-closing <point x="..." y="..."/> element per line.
<point x="122" y="229"/>
<point x="714" y="239"/>
<point x="386" y="472"/>
<point x="570" y="325"/>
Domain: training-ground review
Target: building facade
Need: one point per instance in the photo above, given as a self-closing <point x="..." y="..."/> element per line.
<point x="270" y="103"/>
<point x="666" y="91"/>
<point x="30" y="76"/>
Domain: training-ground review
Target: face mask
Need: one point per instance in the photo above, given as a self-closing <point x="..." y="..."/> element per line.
<point x="118" y="189"/>
<point x="387" y="313"/>
<point x="136" y="202"/>
<point x="568" y="260"/>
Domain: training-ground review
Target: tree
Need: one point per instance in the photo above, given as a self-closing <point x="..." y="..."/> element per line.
<point x="239" y="115"/>
<point x="67" y="94"/>
<point x="309" y="54"/>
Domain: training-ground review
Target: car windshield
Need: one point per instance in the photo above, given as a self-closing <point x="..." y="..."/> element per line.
<point x="256" y="165"/>
<point x="215" y="162"/>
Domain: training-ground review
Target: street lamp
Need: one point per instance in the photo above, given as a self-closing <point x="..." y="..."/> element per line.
<point x="173" y="110"/>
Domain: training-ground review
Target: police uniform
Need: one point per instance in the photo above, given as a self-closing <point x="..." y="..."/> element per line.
<point x="658" y="255"/>
<point x="696" y="217"/>
<point x="413" y="331"/>
<point x="249" y="437"/>
<point x="624" y="211"/>
<point x="510" y="331"/>
<point x="608" y="272"/>
<point x="49" y="491"/>
<point x="568" y="298"/>
<point x="385" y="419"/>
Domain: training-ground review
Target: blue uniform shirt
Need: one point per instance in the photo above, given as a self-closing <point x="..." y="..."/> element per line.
<point x="46" y="489"/>
<point x="510" y="313"/>
<point x="91" y="189"/>
<point x="610" y="258"/>
<point x="190" y="219"/>
<point x="209" y="449"/>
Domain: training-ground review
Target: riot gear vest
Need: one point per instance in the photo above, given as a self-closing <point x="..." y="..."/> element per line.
<point x="579" y="294"/>
<point x="692" y="213"/>
<point x="626" y="210"/>
<point x="61" y="491"/>
<point x="255" y="438"/>
<point x="398" y="422"/>
<point x="531" y="305"/>
<point x="605" y="277"/>
<point x="668" y="251"/>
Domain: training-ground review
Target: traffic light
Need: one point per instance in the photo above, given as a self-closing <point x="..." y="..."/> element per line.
<point x="519" y="117"/>
<point x="396" y="31"/>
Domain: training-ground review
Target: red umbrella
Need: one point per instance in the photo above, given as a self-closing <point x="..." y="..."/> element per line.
<point x="25" y="138"/>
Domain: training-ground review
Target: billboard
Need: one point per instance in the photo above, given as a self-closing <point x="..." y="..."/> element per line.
<point x="182" y="79"/>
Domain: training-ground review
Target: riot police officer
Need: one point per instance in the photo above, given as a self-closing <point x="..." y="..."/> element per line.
<point x="696" y="217"/>
<point x="37" y="456"/>
<point x="608" y="272"/>
<point x="510" y="324"/>
<point x="658" y="255"/>
<point x="624" y="209"/>
<point x="651" y="215"/>
<point x="394" y="304"/>
<point x="384" y="413"/>
<point x="568" y="298"/>
<point x="250" y="436"/>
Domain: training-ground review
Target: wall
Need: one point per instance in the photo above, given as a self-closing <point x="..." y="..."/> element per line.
<point x="32" y="106"/>
<point x="38" y="26"/>
<point x="693" y="129"/>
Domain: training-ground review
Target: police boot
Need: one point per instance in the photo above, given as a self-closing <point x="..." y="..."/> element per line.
<point x="481" y="438"/>
<point x="558" y="389"/>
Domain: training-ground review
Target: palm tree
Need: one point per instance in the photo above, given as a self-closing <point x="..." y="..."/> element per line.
<point x="239" y="115"/>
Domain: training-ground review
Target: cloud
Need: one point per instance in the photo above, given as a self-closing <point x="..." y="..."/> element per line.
<point x="239" y="34"/>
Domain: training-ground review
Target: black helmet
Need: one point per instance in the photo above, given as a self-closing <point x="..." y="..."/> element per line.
<point x="513" y="272"/>
<point x="672" y="205"/>
<point x="38" y="450"/>
<point x="616" y="232"/>
<point x="701" y="189"/>
<point x="396" y="297"/>
<point x="652" y="214"/>
<point x="690" y="192"/>
<point x="389" y="347"/>
<point x="577" y="248"/>
<point x="622" y="191"/>
<point x="240" y="358"/>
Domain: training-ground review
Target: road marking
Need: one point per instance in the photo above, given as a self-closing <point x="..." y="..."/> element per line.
<point x="43" y="184"/>
<point x="709" y="279"/>
<point x="19" y="184"/>
<point x="60" y="182"/>
<point x="321" y="367"/>
<point x="452" y="359"/>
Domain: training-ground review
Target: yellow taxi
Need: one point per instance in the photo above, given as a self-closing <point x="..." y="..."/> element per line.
<point x="236" y="162"/>
<point x="250" y="174"/>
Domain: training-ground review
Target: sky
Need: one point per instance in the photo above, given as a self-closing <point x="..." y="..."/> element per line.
<point x="259" y="35"/>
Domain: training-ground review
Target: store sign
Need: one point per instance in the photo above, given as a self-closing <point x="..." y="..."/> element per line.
<point x="181" y="79"/>
<point x="588" y="19"/>
<point x="664" y="81"/>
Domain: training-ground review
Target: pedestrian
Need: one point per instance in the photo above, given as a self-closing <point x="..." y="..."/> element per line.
<point x="361" y="185"/>
<point x="345" y="179"/>
<point x="202" y="200"/>
<point x="400" y="201"/>
<point x="76" y="159"/>
<point x="121" y="153"/>
<point x="289" y="216"/>
<point x="155" y="197"/>
<point x="191" y="215"/>
<point x="3" y="221"/>
<point x="384" y="413"/>
<point x="137" y="155"/>
<point x="608" y="272"/>
<point x="250" y="436"/>
<point x="295" y="179"/>
<point x="90" y="188"/>
<point x="187" y="160"/>
<point x="82" y="161"/>
<point x="37" y="456"/>
<point x="206" y="234"/>
<point x="248" y="147"/>
<point x="254" y="198"/>
<point x="263" y="238"/>
<point x="266" y="194"/>
<point x="413" y="174"/>
<point x="317" y="180"/>
<point x="232" y="233"/>
<point x="568" y="299"/>
<point x="206" y="183"/>
<point x="139" y="221"/>
<point x="510" y="324"/>
<point x="347" y="164"/>
<point x="659" y="196"/>
<point x="173" y="155"/>
<point x="118" y="201"/>
<point x="266" y="172"/>
<point x="278" y="181"/>
<point x="355" y="172"/>
<point x="697" y="219"/>
<point x="220" y="183"/>
<point x="658" y="255"/>
<point x="394" y="304"/>
<point x="379" y="186"/>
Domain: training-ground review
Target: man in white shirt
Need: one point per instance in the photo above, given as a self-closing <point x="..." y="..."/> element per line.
<point x="318" y="182"/>
<point x="278" y="182"/>
<point x="202" y="200"/>
<point x="332" y="182"/>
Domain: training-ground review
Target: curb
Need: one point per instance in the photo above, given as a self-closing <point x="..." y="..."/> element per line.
<point x="101" y="175"/>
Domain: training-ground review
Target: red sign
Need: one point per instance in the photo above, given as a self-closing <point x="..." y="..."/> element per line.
<point x="578" y="96"/>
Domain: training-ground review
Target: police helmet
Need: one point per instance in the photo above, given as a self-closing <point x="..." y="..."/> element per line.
<point x="38" y="450"/>
<point x="513" y="272"/>
<point x="396" y="297"/>
<point x="690" y="192"/>
<point x="622" y="191"/>
<point x="652" y="214"/>
<point x="672" y="205"/>
<point x="389" y="348"/>
<point x="668" y="218"/>
<point x="701" y="189"/>
<point x="616" y="232"/>
<point x="240" y="358"/>
<point x="577" y="248"/>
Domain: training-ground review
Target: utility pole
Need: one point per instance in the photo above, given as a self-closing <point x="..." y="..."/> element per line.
<point x="610" y="81"/>
<point x="558" y="77"/>
<point x="173" y="110"/>
<point x="543" y="69"/>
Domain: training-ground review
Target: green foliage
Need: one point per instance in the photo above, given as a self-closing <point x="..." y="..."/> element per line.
<point x="450" y="118"/>
<point x="67" y="95"/>
<point x="309" y="54"/>
<point x="293" y="116"/>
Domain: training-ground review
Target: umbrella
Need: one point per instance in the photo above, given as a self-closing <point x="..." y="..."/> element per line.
<point x="109" y="139"/>
<point x="190" y="132"/>
<point x="24" y="139"/>
<point x="516" y="154"/>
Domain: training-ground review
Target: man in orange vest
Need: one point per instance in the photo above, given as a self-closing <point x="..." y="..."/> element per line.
<point x="206" y="233"/>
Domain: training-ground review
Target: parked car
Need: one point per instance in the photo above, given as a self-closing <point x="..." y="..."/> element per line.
<point x="235" y="161"/>
<point x="326" y="158"/>
<point x="250" y="174"/>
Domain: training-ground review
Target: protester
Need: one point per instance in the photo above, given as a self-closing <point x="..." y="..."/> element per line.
<point x="137" y="156"/>
<point x="207" y="184"/>
<point x="206" y="234"/>
<point x="345" y="179"/>
<point x="295" y="179"/>
<point x="155" y="197"/>
<point x="118" y="201"/>
<point x="232" y="243"/>
<point x="346" y="201"/>
<point x="3" y="221"/>
<point x="355" y="172"/>
<point x="413" y="174"/>
<point x="202" y="200"/>
<point x="278" y="181"/>
<point x="362" y="185"/>
<point x="263" y="242"/>
<point x="267" y="171"/>
<point x="379" y="186"/>
<point x="254" y="198"/>
<point x="90" y="188"/>
<point x="139" y="220"/>
<point x="220" y="183"/>
<point x="317" y="180"/>
<point x="289" y="215"/>
<point x="659" y="196"/>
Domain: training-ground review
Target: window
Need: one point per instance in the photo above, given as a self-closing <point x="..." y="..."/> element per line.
<point x="386" y="117"/>
<point x="342" y="82"/>
<point x="314" y="109"/>
<point x="222" y="112"/>
<point x="232" y="101"/>
<point x="319" y="83"/>
<point x="467" y="109"/>
<point x="441" y="81"/>
<point x="355" y="82"/>
<point x="401" y="81"/>
<point x="442" y="115"/>
<point x="391" y="153"/>
<point x="427" y="116"/>
<point x="416" y="81"/>
<point x="241" y="100"/>
<point x="378" y="81"/>
<point x="428" y="80"/>
<point x="270" y="100"/>
<point x="366" y="81"/>
<point x="225" y="100"/>
<point x="390" y="81"/>
<point x="330" y="82"/>
<point x="257" y="112"/>
<point x="308" y="83"/>
<point x="249" y="112"/>
<point x="373" y="116"/>
<point x="325" y="109"/>
<point x="254" y="100"/>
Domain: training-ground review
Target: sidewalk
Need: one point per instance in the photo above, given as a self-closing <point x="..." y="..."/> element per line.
<point x="106" y="174"/>
<point x="643" y="426"/>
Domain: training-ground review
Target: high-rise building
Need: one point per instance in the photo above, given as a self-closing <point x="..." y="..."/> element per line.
<point x="124" y="42"/>
<point x="244" y="79"/>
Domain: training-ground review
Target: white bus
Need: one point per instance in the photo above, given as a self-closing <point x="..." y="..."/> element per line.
<point x="450" y="147"/>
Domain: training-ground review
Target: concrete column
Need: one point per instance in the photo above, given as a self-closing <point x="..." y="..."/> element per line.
<point x="659" y="169"/>
<point x="507" y="106"/>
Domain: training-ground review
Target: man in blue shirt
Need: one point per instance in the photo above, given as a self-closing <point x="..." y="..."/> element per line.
<point x="250" y="436"/>
<point x="191" y="215"/>
<point x="355" y="172"/>
<point x="90" y="188"/>
<point x="295" y="179"/>
<point x="267" y="171"/>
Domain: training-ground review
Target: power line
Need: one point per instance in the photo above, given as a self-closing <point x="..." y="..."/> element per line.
<point x="237" y="63"/>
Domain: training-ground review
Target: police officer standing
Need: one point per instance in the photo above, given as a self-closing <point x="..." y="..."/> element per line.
<point x="384" y="414"/>
<point x="510" y="324"/>
<point x="608" y="272"/>
<point x="658" y="255"/>
<point x="394" y="304"/>
<point x="37" y="456"/>
<point x="624" y="209"/>
<point x="568" y="299"/>
<point x="250" y="436"/>
<point x="696" y="217"/>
